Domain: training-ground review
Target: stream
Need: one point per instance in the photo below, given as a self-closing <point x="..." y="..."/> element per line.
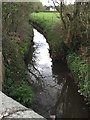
<point x="55" y="92"/>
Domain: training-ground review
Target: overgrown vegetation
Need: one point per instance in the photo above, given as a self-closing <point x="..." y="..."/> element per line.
<point x="80" y="72"/>
<point x="16" y="40"/>
<point x="15" y="72"/>
<point x="77" y="23"/>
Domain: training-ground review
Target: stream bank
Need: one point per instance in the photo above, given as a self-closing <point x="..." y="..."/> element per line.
<point x="79" y="67"/>
<point x="17" y="38"/>
<point x="50" y="26"/>
<point x="15" y="48"/>
<point x="55" y="92"/>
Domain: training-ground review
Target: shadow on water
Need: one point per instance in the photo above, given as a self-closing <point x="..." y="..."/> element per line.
<point x="55" y="92"/>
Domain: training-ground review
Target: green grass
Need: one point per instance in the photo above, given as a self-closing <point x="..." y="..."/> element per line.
<point x="46" y="19"/>
<point x="50" y="23"/>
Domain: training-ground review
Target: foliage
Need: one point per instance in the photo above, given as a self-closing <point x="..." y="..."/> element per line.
<point x="76" y="27"/>
<point x="14" y="13"/>
<point x="80" y="69"/>
<point x="23" y="94"/>
<point x="15" y="83"/>
<point x="75" y="19"/>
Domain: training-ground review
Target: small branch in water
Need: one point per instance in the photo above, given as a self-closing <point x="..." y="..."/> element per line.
<point x="38" y="75"/>
<point x="33" y="74"/>
<point x="37" y="70"/>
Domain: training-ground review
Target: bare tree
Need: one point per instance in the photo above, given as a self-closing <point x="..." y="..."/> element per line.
<point x="74" y="18"/>
<point x="60" y="9"/>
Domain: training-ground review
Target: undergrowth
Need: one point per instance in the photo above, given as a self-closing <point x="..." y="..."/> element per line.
<point x="16" y="81"/>
<point x="80" y="69"/>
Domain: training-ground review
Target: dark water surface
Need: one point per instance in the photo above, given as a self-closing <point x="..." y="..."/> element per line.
<point x="55" y="91"/>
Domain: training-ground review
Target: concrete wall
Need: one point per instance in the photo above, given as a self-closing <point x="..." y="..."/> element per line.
<point x="9" y="108"/>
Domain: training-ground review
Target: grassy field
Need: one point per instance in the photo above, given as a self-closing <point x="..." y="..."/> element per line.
<point x="46" y="18"/>
<point x="50" y="22"/>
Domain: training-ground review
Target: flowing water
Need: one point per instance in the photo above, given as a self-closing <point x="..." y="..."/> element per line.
<point x="55" y="92"/>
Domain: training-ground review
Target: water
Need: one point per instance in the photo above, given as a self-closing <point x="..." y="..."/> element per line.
<point x="55" y="92"/>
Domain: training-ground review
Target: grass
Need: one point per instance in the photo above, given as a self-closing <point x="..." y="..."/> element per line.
<point x="46" y="19"/>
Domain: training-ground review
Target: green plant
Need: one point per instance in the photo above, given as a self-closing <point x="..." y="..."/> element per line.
<point x="23" y="93"/>
<point x="80" y="69"/>
<point x="15" y="83"/>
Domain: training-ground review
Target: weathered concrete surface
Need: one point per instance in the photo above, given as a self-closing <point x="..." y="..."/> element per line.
<point x="12" y="109"/>
<point x="0" y="70"/>
<point x="25" y="114"/>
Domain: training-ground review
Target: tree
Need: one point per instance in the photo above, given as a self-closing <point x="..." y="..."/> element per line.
<point x="76" y="21"/>
<point x="14" y="13"/>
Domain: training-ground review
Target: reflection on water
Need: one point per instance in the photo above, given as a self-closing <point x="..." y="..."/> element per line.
<point x="55" y="91"/>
